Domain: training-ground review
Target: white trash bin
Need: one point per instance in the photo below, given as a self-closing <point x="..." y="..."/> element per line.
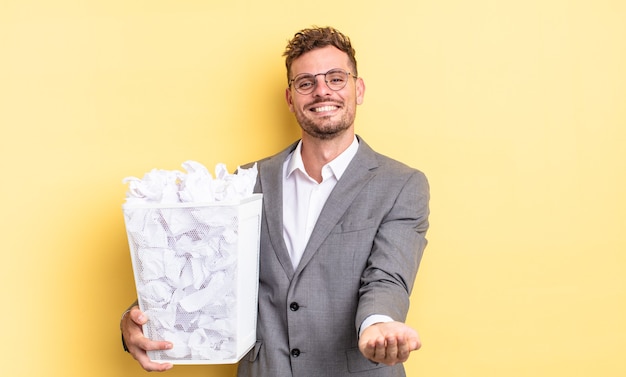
<point x="196" y="270"/>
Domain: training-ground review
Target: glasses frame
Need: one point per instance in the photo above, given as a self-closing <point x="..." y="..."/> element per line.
<point x="309" y="91"/>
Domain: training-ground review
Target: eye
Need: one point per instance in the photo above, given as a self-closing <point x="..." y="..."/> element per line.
<point x="304" y="83"/>
<point x="336" y="78"/>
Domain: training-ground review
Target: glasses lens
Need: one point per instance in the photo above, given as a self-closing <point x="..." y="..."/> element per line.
<point x="336" y="79"/>
<point x="304" y="83"/>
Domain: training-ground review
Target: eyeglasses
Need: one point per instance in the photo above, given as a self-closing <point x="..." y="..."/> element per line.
<point x="336" y="79"/>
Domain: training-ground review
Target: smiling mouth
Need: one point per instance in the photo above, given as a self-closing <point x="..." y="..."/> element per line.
<point x="324" y="108"/>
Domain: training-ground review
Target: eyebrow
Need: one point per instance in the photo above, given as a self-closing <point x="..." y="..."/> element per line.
<point x="322" y="73"/>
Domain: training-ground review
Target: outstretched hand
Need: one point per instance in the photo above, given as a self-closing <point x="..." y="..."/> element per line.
<point x="389" y="342"/>
<point x="138" y="344"/>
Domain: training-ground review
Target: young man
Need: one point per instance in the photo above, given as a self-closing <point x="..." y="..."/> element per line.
<point x="342" y="235"/>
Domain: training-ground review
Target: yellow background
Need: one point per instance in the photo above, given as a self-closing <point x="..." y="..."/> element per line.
<point x="515" y="110"/>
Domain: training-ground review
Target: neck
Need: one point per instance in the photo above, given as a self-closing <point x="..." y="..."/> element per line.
<point x="318" y="152"/>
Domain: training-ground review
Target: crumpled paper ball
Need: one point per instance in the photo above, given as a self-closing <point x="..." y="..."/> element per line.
<point x="196" y="185"/>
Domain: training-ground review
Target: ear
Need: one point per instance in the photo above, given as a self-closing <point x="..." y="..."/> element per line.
<point x="360" y="90"/>
<point x="289" y="99"/>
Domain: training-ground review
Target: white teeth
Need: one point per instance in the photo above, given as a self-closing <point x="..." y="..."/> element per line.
<point x="324" y="108"/>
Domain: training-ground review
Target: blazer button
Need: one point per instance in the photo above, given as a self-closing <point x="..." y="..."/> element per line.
<point x="295" y="352"/>
<point x="294" y="306"/>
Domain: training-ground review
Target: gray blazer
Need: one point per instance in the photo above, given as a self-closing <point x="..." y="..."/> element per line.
<point x="361" y="259"/>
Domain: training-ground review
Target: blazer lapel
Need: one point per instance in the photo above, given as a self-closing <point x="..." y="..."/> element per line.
<point x="271" y="178"/>
<point x="360" y="171"/>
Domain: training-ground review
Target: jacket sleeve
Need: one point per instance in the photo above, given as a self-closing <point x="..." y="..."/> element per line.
<point x="397" y="249"/>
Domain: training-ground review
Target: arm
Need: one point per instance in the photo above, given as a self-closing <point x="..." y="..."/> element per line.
<point x="137" y="344"/>
<point x="388" y="279"/>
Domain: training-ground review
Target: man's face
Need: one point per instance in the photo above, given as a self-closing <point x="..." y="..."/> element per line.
<point x="324" y="113"/>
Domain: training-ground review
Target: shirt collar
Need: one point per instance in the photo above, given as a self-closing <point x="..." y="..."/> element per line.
<point x="337" y="166"/>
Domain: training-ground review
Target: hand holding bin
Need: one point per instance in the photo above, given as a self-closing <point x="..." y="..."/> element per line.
<point x="196" y="267"/>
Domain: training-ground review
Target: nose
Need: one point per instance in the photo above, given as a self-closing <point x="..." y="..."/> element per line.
<point x="321" y="89"/>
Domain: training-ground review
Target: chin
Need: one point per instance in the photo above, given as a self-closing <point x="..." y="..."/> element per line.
<point x="325" y="134"/>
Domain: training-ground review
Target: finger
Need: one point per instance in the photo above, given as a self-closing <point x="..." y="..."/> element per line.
<point x="413" y="341"/>
<point x="368" y="348"/>
<point x="367" y="351"/>
<point x="404" y="349"/>
<point x="380" y="351"/>
<point x="151" y="366"/>
<point x="414" y="345"/>
<point x="137" y="316"/>
<point x="391" y="356"/>
<point x="139" y="352"/>
<point x="154" y="345"/>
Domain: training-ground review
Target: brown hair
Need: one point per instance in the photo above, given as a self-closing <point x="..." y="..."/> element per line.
<point x="317" y="37"/>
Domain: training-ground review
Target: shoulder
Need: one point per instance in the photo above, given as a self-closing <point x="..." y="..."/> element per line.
<point x="277" y="158"/>
<point x="384" y="166"/>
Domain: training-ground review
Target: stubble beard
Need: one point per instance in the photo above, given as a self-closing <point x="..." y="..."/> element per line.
<point x="325" y="128"/>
